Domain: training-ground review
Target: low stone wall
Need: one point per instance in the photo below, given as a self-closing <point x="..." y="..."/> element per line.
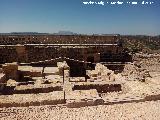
<point x="101" y="88"/>
<point x="38" y="90"/>
<point x="8" y="90"/>
<point x="18" y="100"/>
<point x="152" y="97"/>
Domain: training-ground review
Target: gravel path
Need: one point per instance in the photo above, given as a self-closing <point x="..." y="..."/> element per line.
<point x="149" y="110"/>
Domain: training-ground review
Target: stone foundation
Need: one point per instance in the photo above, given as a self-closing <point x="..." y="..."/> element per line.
<point x="101" y="88"/>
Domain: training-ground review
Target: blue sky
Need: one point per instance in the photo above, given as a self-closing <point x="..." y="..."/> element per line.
<point x="72" y="15"/>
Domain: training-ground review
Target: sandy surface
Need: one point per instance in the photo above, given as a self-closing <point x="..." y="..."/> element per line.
<point x="149" y="110"/>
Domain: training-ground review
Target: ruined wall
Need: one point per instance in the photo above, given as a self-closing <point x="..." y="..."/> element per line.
<point x="100" y="88"/>
<point x="8" y="54"/>
<point x="40" y="53"/>
<point x="12" y="51"/>
<point x="56" y="39"/>
<point x="11" y="71"/>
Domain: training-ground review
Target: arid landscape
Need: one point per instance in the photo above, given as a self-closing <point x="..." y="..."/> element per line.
<point x="49" y="90"/>
<point x="79" y="60"/>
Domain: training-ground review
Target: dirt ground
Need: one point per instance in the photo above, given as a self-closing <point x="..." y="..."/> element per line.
<point x="149" y="110"/>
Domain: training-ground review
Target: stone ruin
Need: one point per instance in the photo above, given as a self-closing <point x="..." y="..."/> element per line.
<point x="101" y="72"/>
<point x="46" y="82"/>
<point x="23" y="85"/>
<point x="135" y="72"/>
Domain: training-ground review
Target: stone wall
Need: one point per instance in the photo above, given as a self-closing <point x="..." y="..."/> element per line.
<point x="11" y="70"/>
<point x="29" y="53"/>
<point x="57" y="39"/>
<point x="14" y="48"/>
<point x="8" y="54"/>
<point x="101" y="88"/>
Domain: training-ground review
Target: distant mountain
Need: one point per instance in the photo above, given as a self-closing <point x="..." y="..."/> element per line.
<point x="28" y="33"/>
<point x="36" y="33"/>
<point x="24" y="33"/>
<point x="65" y="33"/>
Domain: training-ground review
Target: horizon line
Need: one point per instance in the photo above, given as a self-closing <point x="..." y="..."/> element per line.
<point x="72" y="33"/>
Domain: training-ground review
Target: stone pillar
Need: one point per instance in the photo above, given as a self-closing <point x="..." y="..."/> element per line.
<point x="2" y="81"/>
<point x="62" y="66"/>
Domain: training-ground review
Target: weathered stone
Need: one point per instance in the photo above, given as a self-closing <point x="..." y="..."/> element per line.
<point x="62" y="66"/>
<point x="11" y="70"/>
<point x="11" y="83"/>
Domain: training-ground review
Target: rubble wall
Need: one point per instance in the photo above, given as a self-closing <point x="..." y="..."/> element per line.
<point x="24" y="53"/>
<point x="57" y="39"/>
<point x="100" y="88"/>
<point x="41" y="53"/>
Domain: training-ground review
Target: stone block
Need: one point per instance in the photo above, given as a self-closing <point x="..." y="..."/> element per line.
<point x="62" y="66"/>
<point x="2" y="78"/>
<point x="77" y="79"/>
<point x="51" y="71"/>
<point x="11" y="83"/>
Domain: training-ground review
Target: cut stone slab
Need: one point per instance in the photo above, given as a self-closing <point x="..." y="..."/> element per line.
<point x="31" y="71"/>
<point x="54" y="78"/>
<point x="51" y="70"/>
<point x="77" y="79"/>
<point x="24" y="68"/>
<point x="11" y="83"/>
